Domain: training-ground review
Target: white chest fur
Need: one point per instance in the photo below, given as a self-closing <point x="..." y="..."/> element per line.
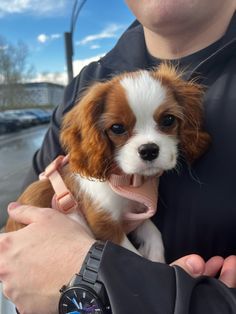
<point x="102" y="194"/>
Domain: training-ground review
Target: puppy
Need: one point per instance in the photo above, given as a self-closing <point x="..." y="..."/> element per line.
<point x="120" y="137"/>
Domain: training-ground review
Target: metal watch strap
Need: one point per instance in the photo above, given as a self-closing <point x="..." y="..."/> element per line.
<point x="88" y="274"/>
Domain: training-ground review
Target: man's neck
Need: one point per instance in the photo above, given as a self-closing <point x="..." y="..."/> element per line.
<point x="184" y="41"/>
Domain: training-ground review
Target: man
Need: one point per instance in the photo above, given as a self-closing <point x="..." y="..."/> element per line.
<point x="196" y="211"/>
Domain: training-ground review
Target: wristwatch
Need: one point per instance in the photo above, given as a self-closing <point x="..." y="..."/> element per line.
<point x="85" y="294"/>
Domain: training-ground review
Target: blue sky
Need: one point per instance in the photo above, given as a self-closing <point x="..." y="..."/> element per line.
<point x="41" y="25"/>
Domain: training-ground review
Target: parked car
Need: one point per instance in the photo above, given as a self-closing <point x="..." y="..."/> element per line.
<point x="41" y="115"/>
<point x="5" y="126"/>
<point x="9" y="123"/>
<point x="13" y="120"/>
<point x="26" y="119"/>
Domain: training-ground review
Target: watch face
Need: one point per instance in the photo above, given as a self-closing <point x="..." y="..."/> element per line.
<point x="80" y="300"/>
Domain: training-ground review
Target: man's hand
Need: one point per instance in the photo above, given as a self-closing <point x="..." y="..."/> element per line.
<point x="37" y="260"/>
<point x="195" y="266"/>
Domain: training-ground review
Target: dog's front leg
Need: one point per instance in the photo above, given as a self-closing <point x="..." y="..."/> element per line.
<point x="149" y="240"/>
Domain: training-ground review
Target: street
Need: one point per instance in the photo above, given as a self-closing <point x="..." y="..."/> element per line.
<point x="16" y="151"/>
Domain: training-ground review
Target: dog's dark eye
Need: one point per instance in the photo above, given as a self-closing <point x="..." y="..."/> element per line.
<point x="118" y="129"/>
<point x="167" y="120"/>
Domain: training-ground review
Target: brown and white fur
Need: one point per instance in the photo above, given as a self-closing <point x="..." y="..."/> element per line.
<point x="103" y="134"/>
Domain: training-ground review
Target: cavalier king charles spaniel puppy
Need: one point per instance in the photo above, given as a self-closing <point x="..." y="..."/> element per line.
<point x="120" y="137"/>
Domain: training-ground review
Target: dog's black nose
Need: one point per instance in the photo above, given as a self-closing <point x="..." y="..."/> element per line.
<point x="148" y="151"/>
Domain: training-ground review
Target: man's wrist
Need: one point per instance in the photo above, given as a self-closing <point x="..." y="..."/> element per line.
<point x="85" y="289"/>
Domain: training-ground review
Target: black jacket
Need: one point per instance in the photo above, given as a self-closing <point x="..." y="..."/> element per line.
<point x="197" y="207"/>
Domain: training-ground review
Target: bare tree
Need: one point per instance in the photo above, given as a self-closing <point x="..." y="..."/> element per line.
<point x="14" y="70"/>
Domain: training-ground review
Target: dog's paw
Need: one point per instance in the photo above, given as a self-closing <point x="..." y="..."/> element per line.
<point x="152" y="251"/>
<point x="148" y="240"/>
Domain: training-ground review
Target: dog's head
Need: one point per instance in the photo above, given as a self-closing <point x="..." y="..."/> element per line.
<point x="137" y="122"/>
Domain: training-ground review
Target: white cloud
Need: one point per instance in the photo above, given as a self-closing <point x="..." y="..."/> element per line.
<point x="5" y="47"/>
<point x="43" y="38"/>
<point x="55" y="36"/>
<point x="95" y="47"/>
<point x="36" y="7"/>
<point x="16" y="6"/>
<point x="55" y="77"/>
<point x="109" y="32"/>
<point x="61" y="77"/>
<point x="79" y="64"/>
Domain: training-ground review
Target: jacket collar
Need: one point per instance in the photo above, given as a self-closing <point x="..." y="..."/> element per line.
<point x="129" y="53"/>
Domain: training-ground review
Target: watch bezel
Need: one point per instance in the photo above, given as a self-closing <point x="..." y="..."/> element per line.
<point x="82" y="288"/>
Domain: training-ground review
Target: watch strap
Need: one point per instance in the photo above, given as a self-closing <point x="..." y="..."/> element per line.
<point x="88" y="275"/>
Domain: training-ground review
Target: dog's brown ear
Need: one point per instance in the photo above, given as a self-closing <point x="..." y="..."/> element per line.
<point x="194" y="140"/>
<point x="88" y="146"/>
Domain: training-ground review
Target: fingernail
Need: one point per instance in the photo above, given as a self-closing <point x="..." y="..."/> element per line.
<point x="194" y="267"/>
<point x="13" y="205"/>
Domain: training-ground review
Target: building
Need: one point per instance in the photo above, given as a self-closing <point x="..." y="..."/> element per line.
<point x="31" y="94"/>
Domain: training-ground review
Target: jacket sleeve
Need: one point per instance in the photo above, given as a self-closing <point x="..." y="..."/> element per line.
<point x="136" y="285"/>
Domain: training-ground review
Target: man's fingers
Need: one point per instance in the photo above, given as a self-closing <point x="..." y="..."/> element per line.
<point x="228" y="272"/>
<point x="25" y="214"/>
<point x="213" y="266"/>
<point x="193" y="264"/>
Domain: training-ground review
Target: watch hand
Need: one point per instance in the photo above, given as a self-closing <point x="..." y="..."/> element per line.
<point x="76" y="304"/>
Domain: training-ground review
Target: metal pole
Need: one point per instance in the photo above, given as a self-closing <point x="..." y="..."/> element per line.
<point x="69" y="55"/>
<point x="68" y="38"/>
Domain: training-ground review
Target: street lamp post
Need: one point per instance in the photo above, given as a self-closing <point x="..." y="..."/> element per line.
<point x="68" y="38"/>
<point x="69" y="55"/>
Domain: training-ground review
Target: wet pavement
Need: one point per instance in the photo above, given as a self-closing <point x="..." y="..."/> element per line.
<point x="16" y="151"/>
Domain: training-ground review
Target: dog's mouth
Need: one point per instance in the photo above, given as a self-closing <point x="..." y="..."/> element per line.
<point x="151" y="171"/>
<point x="146" y="170"/>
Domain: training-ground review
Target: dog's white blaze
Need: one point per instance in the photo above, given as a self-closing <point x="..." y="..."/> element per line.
<point x="144" y="95"/>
